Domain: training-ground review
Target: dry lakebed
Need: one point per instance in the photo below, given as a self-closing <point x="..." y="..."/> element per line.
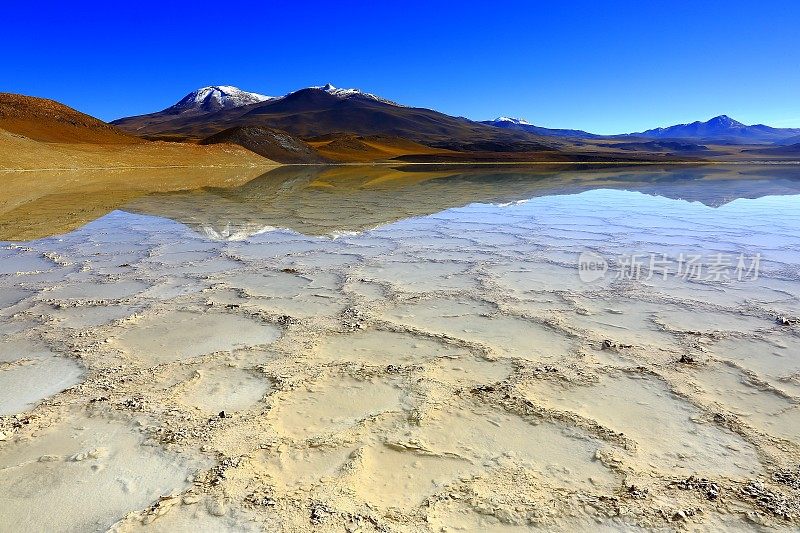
<point x="386" y="349"/>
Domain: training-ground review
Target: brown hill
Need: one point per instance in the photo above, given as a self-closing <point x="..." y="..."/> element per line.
<point x="270" y="143"/>
<point x="347" y="148"/>
<point x="46" y="120"/>
<point x="789" y="151"/>
<point x="20" y="153"/>
<point x="40" y="134"/>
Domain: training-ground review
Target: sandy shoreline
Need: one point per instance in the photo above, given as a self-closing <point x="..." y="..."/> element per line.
<point x="229" y="166"/>
<point x="422" y="164"/>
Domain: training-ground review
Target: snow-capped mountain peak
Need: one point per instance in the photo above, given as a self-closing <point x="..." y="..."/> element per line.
<point x="520" y="121"/>
<point x="347" y="93"/>
<point x="216" y="97"/>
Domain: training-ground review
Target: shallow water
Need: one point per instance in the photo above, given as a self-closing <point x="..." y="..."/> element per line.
<point x="418" y="348"/>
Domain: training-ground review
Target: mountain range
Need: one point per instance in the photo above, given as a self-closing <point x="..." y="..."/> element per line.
<point x="722" y="129"/>
<point x="326" y="110"/>
<point x="326" y="124"/>
<point x="521" y="124"/>
<point x="315" y="112"/>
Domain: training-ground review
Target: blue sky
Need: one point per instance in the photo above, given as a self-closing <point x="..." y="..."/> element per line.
<point x="604" y="67"/>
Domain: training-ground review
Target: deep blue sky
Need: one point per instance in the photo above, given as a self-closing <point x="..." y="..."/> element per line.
<point x="614" y="68"/>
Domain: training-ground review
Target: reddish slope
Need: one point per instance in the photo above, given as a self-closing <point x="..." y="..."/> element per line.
<point x="49" y="121"/>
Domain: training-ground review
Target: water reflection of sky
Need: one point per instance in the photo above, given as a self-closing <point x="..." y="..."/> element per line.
<point x="614" y="223"/>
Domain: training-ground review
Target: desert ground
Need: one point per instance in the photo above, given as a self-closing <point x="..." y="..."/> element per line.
<point x="18" y="153"/>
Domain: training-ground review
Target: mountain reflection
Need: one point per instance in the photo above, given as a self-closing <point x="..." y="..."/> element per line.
<point x="334" y="200"/>
<point x="318" y="200"/>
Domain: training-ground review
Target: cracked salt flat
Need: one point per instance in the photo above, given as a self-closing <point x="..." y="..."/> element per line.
<point x="455" y="354"/>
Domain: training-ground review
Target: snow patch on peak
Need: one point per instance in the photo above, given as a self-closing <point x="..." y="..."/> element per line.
<point x="216" y="97"/>
<point x="347" y="93"/>
<point x="520" y="121"/>
<point x="344" y="93"/>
